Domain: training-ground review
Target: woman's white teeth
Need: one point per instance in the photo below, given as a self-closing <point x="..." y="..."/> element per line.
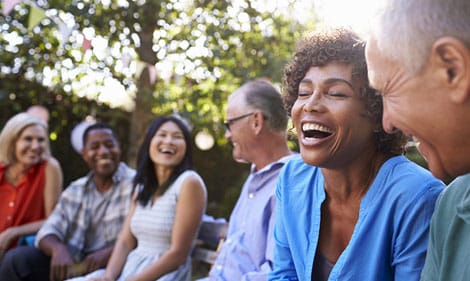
<point x="315" y="127"/>
<point x="167" y="150"/>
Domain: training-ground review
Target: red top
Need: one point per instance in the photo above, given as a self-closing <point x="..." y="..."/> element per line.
<point x="25" y="202"/>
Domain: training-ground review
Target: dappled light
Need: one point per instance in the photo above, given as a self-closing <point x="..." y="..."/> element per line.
<point x="145" y="58"/>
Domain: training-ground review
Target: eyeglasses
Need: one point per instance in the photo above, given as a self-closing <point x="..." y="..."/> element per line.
<point x="229" y="122"/>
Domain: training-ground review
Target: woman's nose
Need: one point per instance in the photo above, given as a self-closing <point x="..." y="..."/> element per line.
<point x="313" y="103"/>
<point x="35" y="144"/>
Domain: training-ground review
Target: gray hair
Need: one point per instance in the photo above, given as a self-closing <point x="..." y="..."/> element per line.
<point x="405" y="30"/>
<point x="261" y="95"/>
<point x="12" y="131"/>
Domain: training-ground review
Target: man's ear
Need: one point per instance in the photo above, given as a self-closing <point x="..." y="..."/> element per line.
<point x="453" y="57"/>
<point x="258" y="122"/>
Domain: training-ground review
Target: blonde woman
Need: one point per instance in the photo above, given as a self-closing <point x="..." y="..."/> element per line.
<point x="30" y="180"/>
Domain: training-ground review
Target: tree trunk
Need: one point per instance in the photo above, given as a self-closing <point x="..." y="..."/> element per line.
<point x="142" y="115"/>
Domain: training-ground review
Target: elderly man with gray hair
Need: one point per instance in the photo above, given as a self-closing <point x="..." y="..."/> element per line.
<point x="425" y="84"/>
<point x="256" y="126"/>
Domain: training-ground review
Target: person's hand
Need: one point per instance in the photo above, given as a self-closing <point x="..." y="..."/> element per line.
<point x="133" y="278"/>
<point x="77" y="269"/>
<point x="6" y="237"/>
<point x="96" y="260"/>
<point x="2" y="252"/>
<point x="61" y="261"/>
<point x="101" y="279"/>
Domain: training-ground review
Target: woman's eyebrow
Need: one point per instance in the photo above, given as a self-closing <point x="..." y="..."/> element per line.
<point x="340" y="80"/>
<point x="306" y="81"/>
<point x="329" y="81"/>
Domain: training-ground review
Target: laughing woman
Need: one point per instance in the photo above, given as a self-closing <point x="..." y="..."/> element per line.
<point x="169" y="202"/>
<point x="362" y="210"/>
<point x="30" y="179"/>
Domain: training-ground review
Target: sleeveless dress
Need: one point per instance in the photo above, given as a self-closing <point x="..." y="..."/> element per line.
<point x="23" y="203"/>
<point x="152" y="226"/>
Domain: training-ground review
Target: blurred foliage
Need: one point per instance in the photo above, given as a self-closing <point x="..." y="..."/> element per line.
<point x="413" y="154"/>
<point x="202" y="51"/>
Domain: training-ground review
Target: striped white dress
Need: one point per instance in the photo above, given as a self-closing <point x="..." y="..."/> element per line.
<point x="152" y="226"/>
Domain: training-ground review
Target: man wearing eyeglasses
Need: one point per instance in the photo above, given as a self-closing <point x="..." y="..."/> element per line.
<point x="256" y="126"/>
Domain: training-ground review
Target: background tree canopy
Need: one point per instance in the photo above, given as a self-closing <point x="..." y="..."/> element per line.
<point x="153" y="57"/>
<point x="169" y="57"/>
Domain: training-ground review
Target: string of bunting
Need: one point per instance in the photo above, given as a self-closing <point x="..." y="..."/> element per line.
<point x="37" y="14"/>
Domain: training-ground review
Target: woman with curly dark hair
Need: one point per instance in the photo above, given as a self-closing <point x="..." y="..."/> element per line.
<point x="362" y="210"/>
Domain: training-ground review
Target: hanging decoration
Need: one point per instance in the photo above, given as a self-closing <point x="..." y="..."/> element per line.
<point x="8" y="5"/>
<point x="35" y="17"/>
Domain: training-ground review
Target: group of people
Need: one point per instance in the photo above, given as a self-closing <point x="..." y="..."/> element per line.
<point x="348" y="206"/>
<point x="117" y="223"/>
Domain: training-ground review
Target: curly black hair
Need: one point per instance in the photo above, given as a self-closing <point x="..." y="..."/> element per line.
<point x="339" y="45"/>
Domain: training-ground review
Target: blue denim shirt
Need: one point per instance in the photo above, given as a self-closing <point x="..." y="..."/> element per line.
<point x="391" y="234"/>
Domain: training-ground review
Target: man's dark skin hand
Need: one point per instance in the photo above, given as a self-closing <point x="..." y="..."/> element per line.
<point x="61" y="260"/>
<point x="62" y="264"/>
<point x="97" y="259"/>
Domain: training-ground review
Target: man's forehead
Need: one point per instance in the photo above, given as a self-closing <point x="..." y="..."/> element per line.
<point x="100" y="130"/>
<point x="101" y="133"/>
<point x="376" y="65"/>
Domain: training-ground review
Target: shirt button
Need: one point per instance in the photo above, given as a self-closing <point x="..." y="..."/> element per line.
<point x="11" y="204"/>
<point x="9" y="218"/>
<point x="219" y="267"/>
<point x="251" y="195"/>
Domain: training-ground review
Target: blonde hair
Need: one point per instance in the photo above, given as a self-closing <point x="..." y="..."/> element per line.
<point x="12" y="131"/>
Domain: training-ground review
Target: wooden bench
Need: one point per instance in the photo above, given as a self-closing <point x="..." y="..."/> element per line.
<point x="209" y="241"/>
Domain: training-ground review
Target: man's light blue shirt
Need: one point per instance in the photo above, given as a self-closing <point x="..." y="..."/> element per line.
<point x="391" y="234"/>
<point x="247" y="254"/>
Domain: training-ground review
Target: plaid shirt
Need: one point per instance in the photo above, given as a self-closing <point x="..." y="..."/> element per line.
<point x="71" y="217"/>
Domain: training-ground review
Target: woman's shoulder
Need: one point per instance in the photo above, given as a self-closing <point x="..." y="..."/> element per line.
<point x="187" y="178"/>
<point x="400" y="167"/>
<point x="190" y="175"/>
<point x="407" y="179"/>
<point x="52" y="165"/>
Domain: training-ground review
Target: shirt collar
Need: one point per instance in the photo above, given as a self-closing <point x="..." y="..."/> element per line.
<point x="118" y="176"/>
<point x="281" y="161"/>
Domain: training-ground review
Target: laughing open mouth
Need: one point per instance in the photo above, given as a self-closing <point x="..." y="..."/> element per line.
<point x="168" y="151"/>
<point x="317" y="131"/>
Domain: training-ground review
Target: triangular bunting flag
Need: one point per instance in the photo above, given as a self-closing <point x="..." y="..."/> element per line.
<point x="152" y="73"/>
<point x="64" y="30"/>
<point x="8" y="5"/>
<point x="35" y="16"/>
<point x="86" y="45"/>
<point x="140" y="66"/>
